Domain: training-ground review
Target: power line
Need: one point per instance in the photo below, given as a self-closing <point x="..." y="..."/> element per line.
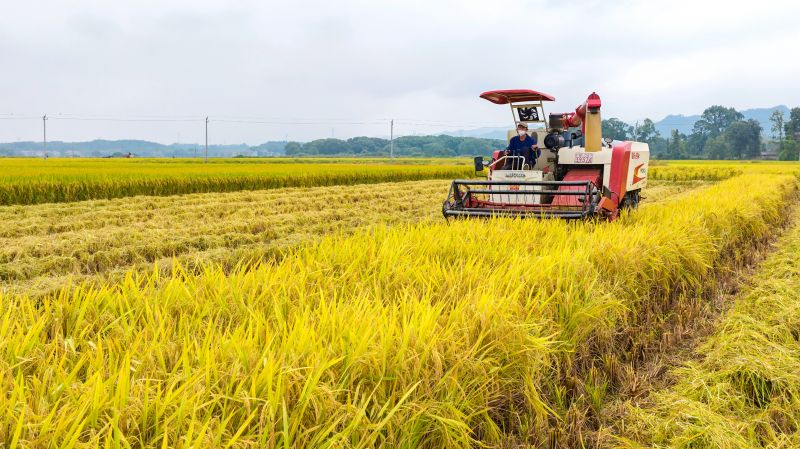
<point x="110" y="119"/>
<point x="271" y="122"/>
<point x="19" y="117"/>
<point x="499" y="125"/>
<point x="292" y="119"/>
<point x="252" y="120"/>
<point x="448" y="122"/>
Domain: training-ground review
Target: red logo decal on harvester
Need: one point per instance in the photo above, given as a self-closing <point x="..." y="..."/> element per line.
<point x="639" y="173"/>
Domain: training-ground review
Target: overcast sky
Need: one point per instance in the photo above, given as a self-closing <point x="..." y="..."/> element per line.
<point x="346" y="67"/>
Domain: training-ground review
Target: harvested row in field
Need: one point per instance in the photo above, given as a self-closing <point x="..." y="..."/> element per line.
<point x="35" y="181"/>
<point x="742" y="389"/>
<point x="45" y="246"/>
<point x="49" y="243"/>
<point x="416" y="336"/>
<point x="659" y="191"/>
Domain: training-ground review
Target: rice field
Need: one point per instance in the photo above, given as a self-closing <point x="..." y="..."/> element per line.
<point x="281" y="318"/>
<point x="741" y="389"/>
<point x="35" y="181"/>
<point x="44" y="246"/>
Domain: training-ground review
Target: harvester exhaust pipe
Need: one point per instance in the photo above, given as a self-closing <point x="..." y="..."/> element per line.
<point x="593" y="128"/>
<point x="587" y="115"/>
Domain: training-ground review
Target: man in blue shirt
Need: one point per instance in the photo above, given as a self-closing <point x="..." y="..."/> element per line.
<point x="521" y="145"/>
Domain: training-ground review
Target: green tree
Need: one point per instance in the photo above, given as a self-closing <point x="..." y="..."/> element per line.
<point x="792" y="126"/>
<point x="778" y="123"/>
<point x="716" y="148"/>
<point x="646" y="132"/>
<point x="743" y="139"/>
<point x="714" y="121"/>
<point x="435" y="149"/>
<point x="616" y="129"/>
<point x="790" y="151"/>
<point x="293" y="149"/>
<point x="676" y="147"/>
<point x="658" y="147"/>
<point x="695" y="144"/>
<point x="473" y="147"/>
<point x="366" y="145"/>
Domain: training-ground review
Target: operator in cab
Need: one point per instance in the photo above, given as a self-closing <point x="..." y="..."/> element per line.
<point x="521" y="145"/>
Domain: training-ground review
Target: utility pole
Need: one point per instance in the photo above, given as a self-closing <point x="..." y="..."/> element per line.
<point x="206" y="140"/>
<point x="391" y="139"/>
<point x="44" y="134"/>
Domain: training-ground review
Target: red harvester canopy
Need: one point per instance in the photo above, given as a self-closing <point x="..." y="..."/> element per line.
<point x="515" y="96"/>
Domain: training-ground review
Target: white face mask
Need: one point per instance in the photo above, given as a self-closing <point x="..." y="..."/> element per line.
<point x="522" y="132"/>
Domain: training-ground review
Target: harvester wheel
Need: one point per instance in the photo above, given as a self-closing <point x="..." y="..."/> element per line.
<point x="630" y="200"/>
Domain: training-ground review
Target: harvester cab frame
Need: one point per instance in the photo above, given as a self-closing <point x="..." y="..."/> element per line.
<point x="578" y="174"/>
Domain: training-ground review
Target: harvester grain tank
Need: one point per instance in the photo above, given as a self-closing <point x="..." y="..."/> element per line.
<point x="578" y="174"/>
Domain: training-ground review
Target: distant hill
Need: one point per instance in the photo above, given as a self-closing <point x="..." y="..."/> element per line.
<point x="140" y="148"/>
<point x="683" y="123"/>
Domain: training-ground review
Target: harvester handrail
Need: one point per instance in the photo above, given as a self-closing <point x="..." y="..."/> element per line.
<point x="521" y="183"/>
<point x="528" y="192"/>
<point x="523" y="164"/>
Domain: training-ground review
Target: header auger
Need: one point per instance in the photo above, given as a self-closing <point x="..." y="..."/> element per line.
<point x="577" y="175"/>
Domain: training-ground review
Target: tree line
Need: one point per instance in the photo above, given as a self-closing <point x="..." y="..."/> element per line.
<point x="407" y="146"/>
<point x="721" y="133"/>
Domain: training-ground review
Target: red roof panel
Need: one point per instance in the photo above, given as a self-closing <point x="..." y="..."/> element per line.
<point x="515" y="96"/>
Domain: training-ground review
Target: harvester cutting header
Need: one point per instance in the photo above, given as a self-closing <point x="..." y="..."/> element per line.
<point x="576" y="174"/>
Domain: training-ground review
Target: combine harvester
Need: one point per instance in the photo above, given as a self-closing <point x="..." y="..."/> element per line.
<point x="578" y="174"/>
